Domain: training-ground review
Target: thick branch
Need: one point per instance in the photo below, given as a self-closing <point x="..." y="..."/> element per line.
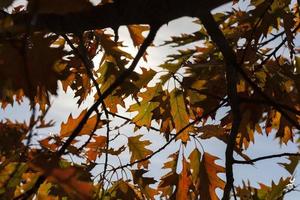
<point x="124" y="12"/>
<point x="231" y="77"/>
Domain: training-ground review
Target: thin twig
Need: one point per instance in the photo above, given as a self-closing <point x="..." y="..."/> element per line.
<point x="82" y="53"/>
<point x="88" y="64"/>
<point x="173" y="138"/>
<point x="130" y="120"/>
<point x="265" y="158"/>
<point x="254" y="30"/>
<point x="147" y="42"/>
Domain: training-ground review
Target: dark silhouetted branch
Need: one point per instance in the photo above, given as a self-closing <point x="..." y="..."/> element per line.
<point x="231" y="77"/>
<point x="265" y="158"/>
<point x="149" y="39"/>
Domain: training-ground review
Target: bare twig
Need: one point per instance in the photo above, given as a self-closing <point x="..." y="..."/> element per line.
<point x="265" y="158"/>
<point x="130" y="120"/>
<point x="250" y="38"/>
<point x="173" y="138"/>
<point x="88" y="64"/>
<point x="119" y="80"/>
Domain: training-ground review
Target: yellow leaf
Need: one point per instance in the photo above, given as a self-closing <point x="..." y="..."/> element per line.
<point x="144" y="116"/>
<point x="179" y="114"/>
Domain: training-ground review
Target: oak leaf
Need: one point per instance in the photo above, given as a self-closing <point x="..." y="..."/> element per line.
<point x="144" y="182"/>
<point x="91" y="124"/>
<point x="179" y="114"/>
<point x="184" y="182"/>
<point x="138" y="150"/>
<point x="31" y="71"/>
<point x="209" y="179"/>
<point x="144" y="116"/>
<point x="136" y="34"/>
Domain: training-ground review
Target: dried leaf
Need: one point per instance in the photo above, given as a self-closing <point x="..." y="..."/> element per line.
<point x="138" y="150"/>
<point x="179" y="114"/>
<point x="67" y="128"/>
<point x="209" y="179"/>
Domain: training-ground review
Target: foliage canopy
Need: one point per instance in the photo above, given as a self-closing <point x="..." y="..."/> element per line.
<point x="245" y="61"/>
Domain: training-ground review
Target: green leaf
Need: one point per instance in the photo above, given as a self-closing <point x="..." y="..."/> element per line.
<point x="144" y="116"/>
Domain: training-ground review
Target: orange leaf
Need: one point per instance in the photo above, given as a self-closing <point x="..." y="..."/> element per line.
<point x="68" y="179"/>
<point x="68" y="127"/>
<point x="184" y="182"/>
<point x="95" y="147"/>
<point x="209" y="179"/>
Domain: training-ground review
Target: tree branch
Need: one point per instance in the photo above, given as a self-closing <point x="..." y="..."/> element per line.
<point x="231" y="77"/>
<point x="265" y="157"/>
<point x="147" y="42"/>
<point x="265" y="102"/>
<point x="173" y="138"/>
<point x="123" y="12"/>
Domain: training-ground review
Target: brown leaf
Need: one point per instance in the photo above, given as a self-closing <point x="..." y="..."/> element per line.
<point x="213" y="131"/>
<point x="195" y="158"/>
<point x="290" y="167"/>
<point x="29" y="69"/>
<point x="123" y="190"/>
<point x="67" y="128"/>
<point x="209" y="179"/>
<point x="136" y="34"/>
<point x="138" y="150"/>
<point x="74" y="180"/>
<point x="95" y="147"/>
<point x="179" y="114"/>
<point x="68" y="179"/>
<point x="184" y="182"/>
<point x="144" y="182"/>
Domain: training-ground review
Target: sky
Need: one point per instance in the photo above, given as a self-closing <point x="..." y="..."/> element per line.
<point x="263" y="171"/>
